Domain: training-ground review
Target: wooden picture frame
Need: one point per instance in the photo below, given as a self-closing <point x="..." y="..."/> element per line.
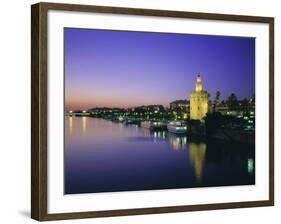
<point x="39" y="106"/>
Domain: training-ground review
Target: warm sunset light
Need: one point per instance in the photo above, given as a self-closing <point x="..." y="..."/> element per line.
<point x="125" y="69"/>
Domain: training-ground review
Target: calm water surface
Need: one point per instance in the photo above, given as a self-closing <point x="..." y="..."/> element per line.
<point x="102" y="156"/>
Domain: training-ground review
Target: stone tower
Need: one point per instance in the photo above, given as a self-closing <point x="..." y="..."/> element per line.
<point x="198" y="101"/>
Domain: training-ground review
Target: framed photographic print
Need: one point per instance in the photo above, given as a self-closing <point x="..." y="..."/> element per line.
<point x="140" y="111"/>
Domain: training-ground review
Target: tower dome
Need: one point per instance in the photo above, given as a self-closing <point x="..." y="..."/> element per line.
<point x="198" y="87"/>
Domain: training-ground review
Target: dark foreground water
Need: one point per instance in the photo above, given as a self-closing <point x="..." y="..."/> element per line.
<point x="101" y="156"/>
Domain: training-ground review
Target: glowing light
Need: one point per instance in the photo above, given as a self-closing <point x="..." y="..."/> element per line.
<point x="197" y="157"/>
<point x="70" y="125"/>
<point x="181" y="128"/>
<point x="184" y="140"/>
<point x="84" y="121"/>
<point x="250" y="166"/>
<point x="198" y="102"/>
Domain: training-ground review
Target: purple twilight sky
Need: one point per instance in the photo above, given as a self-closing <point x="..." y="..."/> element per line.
<point x="125" y="69"/>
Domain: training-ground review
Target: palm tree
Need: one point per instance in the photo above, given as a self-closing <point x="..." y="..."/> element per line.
<point x="232" y="102"/>
<point x="216" y="101"/>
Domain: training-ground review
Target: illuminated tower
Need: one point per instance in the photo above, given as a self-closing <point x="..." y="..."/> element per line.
<point x="198" y="87"/>
<point x="198" y="101"/>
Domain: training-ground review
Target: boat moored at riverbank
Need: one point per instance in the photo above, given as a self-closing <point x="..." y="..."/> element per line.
<point x="154" y="125"/>
<point x="177" y="127"/>
<point x="132" y="121"/>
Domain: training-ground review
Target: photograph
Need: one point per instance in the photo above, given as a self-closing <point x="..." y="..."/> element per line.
<point x="157" y="111"/>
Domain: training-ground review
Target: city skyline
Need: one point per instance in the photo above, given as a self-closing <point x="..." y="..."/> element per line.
<point x="127" y="69"/>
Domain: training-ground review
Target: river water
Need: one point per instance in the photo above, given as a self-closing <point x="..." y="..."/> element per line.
<point x="102" y="156"/>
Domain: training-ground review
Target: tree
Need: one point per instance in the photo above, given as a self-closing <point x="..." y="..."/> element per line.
<point x="213" y="121"/>
<point x="216" y="101"/>
<point x="252" y="100"/>
<point x="209" y="102"/>
<point x="232" y="102"/>
<point x="245" y="104"/>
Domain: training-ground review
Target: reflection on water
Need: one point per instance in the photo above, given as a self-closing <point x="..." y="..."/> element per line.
<point x="178" y="142"/>
<point x="84" y="122"/>
<point x="250" y="166"/>
<point x="197" y="153"/>
<point x="102" y="156"/>
<point x="70" y="124"/>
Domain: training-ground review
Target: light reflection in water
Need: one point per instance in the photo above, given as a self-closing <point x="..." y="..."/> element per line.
<point x="158" y="136"/>
<point x="84" y="122"/>
<point x="250" y="166"/>
<point x="176" y="160"/>
<point x="146" y="132"/>
<point x="155" y="134"/>
<point x="197" y="156"/>
<point x="70" y="124"/>
<point x="178" y="142"/>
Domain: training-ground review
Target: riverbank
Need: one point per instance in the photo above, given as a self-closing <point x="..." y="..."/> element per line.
<point x="196" y="130"/>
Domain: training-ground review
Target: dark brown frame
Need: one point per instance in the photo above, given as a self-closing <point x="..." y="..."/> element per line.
<point x="39" y="110"/>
